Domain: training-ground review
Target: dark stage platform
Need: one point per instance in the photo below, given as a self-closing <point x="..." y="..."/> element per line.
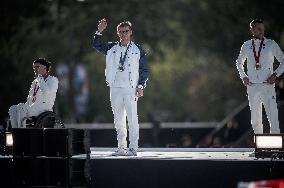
<point x="178" y="167"/>
<point x="171" y="168"/>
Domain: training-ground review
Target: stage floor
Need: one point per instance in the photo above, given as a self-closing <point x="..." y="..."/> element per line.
<point x="181" y="167"/>
<point x="231" y="154"/>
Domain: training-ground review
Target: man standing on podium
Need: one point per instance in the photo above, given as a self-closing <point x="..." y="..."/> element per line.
<point x="259" y="52"/>
<point x="126" y="74"/>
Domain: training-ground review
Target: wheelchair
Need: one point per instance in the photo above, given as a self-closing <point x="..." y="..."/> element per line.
<point x="47" y="119"/>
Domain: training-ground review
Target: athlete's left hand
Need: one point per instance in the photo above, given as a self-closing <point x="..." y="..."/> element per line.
<point x="139" y="92"/>
<point x="271" y="79"/>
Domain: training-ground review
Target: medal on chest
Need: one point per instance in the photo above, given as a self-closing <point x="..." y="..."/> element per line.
<point x="122" y="59"/>
<point x="257" y="55"/>
<point x="121" y="64"/>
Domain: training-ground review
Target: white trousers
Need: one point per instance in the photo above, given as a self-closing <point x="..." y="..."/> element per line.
<point x="17" y="114"/>
<point x="259" y="94"/>
<point x="124" y="104"/>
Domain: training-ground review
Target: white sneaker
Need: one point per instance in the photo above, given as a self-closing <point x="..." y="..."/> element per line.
<point x="252" y="154"/>
<point x="131" y="152"/>
<point x="120" y="152"/>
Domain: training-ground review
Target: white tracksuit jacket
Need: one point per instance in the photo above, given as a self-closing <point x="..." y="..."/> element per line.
<point x="260" y="92"/>
<point x="123" y="86"/>
<point x="41" y="98"/>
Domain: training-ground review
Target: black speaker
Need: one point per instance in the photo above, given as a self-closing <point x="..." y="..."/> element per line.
<point x="56" y="170"/>
<point x="27" y="142"/>
<point x="6" y="172"/>
<point x="2" y="142"/>
<point x="43" y="157"/>
<point x="80" y="171"/>
<point x="48" y="171"/>
<point x="28" y="171"/>
<point x="65" y="172"/>
<point x="50" y="142"/>
<point x="65" y="142"/>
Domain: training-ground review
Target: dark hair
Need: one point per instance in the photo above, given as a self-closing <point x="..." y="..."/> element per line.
<point x="123" y="24"/>
<point x="44" y="62"/>
<point x="255" y="21"/>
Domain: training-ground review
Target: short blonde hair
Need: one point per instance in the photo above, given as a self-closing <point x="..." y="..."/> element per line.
<point x="124" y="24"/>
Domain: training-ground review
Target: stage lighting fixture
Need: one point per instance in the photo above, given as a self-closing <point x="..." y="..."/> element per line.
<point x="269" y="145"/>
<point x="9" y="139"/>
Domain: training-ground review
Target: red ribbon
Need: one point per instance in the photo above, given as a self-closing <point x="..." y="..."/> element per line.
<point x="256" y="57"/>
<point x="36" y="88"/>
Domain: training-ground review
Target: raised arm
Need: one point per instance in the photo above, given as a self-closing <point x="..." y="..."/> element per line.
<point x="98" y="42"/>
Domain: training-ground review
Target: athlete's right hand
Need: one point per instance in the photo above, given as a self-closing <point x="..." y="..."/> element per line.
<point x="102" y="25"/>
<point x="246" y="81"/>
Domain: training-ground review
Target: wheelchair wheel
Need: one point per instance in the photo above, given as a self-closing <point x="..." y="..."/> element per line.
<point x="48" y="119"/>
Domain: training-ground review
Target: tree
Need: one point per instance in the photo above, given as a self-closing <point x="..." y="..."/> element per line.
<point x="191" y="44"/>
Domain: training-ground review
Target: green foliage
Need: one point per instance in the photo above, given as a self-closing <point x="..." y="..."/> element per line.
<point x="191" y="46"/>
<point x="184" y="79"/>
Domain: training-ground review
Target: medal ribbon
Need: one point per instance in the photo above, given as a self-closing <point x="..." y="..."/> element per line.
<point x="36" y="88"/>
<point x="256" y="57"/>
<point x="122" y="60"/>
